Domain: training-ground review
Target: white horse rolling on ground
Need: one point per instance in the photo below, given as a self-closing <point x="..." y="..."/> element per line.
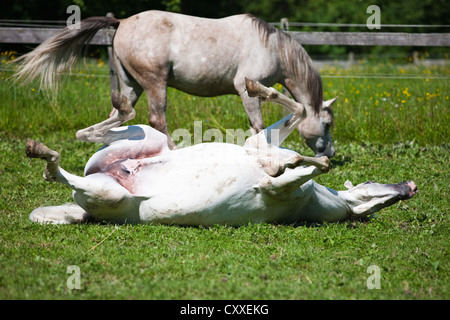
<point x="137" y="178"/>
<point x="203" y="57"/>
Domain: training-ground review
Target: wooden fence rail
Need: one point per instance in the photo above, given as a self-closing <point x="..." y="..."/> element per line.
<point x="104" y="36"/>
<point x="39" y="35"/>
<point x="373" y="39"/>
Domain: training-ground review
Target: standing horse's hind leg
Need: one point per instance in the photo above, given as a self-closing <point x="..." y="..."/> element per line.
<point x="129" y="87"/>
<point x="157" y="98"/>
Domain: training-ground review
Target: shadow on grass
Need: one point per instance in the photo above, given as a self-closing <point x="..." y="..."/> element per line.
<point x="341" y="161"/>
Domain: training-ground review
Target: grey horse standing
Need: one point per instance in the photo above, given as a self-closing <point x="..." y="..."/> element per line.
<point x="204" y="57"/>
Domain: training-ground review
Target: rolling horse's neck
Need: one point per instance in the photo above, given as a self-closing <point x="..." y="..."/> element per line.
<point x="324" y="204"/>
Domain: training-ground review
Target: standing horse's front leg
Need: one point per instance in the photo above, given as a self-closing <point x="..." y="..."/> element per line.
<point x="252" y="106"/>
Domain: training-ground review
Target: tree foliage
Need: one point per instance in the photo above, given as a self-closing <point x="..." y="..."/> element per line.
<point x="343" y="11"/>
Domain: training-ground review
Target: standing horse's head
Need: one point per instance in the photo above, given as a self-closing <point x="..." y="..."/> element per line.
<point x="315" y="129"/>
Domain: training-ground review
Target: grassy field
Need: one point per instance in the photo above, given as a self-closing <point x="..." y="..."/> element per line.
<point x="387" y="130"/>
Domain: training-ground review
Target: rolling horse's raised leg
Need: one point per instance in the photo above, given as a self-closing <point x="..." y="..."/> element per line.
<point x="38" y="150"/>
<point x="121" y="142"/>
<point x="99" y="187"/>
<point x="282" y="186"/>
<point x="88" y="192"/>
<point x="64" y="214"/>
<point x="97" y="132"/>
<point x="69" y="213"/>
<point x="266" y="144"/>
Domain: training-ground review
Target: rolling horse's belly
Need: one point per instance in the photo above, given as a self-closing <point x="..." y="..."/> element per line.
<point x="216" y="184"/>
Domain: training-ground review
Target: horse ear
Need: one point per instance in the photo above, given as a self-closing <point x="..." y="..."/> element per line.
<point x="328" y="103"/>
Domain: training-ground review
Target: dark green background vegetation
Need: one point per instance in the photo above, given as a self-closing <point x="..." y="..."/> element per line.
<point x="343" y="11"/>
<point x="411" y="12"/>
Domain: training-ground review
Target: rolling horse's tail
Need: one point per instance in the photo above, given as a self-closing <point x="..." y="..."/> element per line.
<point x="58" y="53"/>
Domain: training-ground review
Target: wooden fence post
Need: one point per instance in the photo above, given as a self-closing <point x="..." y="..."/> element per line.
<point x="351" y="58"/>
<point x="284" y="24"/>
<point x="416" y="59"/>
<point x="113" y="78"/>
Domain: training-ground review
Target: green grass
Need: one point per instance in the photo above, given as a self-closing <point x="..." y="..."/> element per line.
<point x="386" y="141"/>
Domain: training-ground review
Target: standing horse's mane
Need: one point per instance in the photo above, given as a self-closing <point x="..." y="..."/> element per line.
<point x="265" y="29"/>
<point x="295" y="59"/>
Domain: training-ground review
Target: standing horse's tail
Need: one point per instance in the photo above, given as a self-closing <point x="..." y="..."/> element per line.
<point x="58" y="53"/>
